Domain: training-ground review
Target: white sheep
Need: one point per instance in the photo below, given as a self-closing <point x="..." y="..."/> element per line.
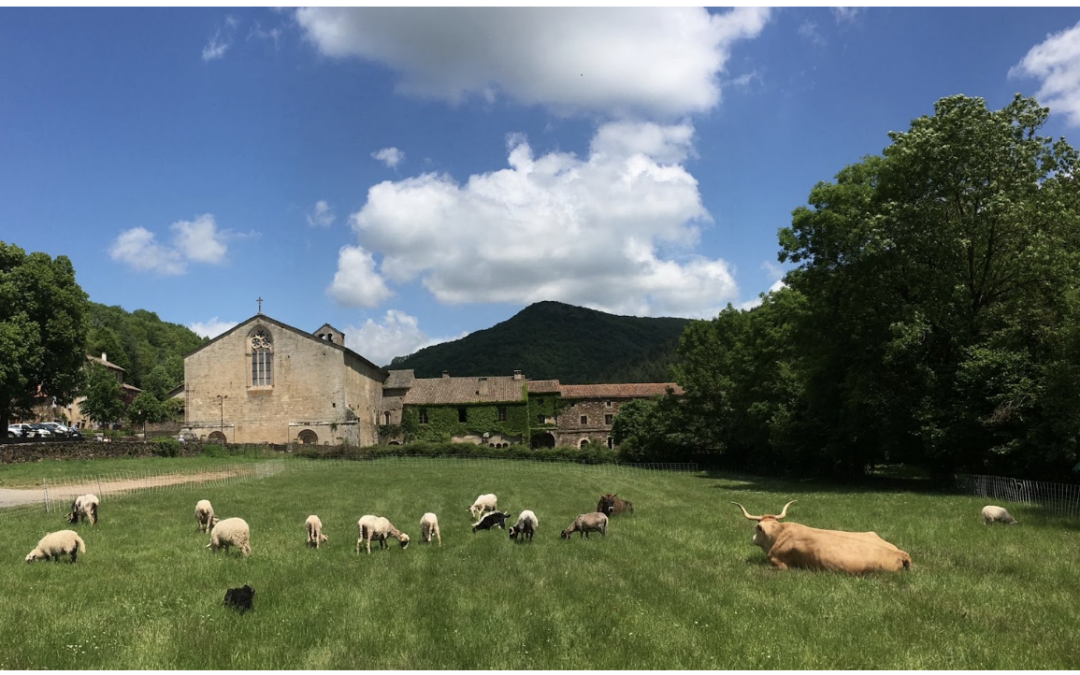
<point x="526" y="526"/>
<point x="314" y="531"/>
<point x="84" y="507"/>
<point x="56" y="544"/>
<point x="483" y="504"/>
<point x="204" y="515"/>
<point x="586" y="523"/>
<point x="429" y="527"/>
<point x="376" y="527"/>
<point x="996" y="514"/>
<point x="231" y="532"/>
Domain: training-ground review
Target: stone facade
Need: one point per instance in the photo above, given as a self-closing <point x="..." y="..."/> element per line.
<point x="266" y="382"/>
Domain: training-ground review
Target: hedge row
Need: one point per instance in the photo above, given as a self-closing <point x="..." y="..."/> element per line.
<point x="35" y="452"/>
<point x="588" y="455"/>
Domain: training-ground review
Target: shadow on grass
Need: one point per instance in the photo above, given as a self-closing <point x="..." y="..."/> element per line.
<point x="734" y="481"/>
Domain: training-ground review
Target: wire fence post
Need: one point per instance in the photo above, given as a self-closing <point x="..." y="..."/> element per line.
<point x="46" y="484"/>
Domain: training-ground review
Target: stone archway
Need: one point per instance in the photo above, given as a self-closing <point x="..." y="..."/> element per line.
<point x="543" y="439"/>
<point x="217" y="437"/>
<point x="308" y="437"/>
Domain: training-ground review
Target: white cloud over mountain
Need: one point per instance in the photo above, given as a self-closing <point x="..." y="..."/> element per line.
<point x="397" y="334"/>
<point x="620" y="61"/>
<point x="614" y="231"/>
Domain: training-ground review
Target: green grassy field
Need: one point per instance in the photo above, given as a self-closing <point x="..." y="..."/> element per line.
<point x="677" y="585"/>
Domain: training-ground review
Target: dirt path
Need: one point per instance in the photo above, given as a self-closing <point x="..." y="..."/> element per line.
<point x="66" y="492"/>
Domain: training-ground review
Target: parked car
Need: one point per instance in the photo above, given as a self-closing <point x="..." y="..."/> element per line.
<point x="19" y="430"/>
<point x="38" y="431"/>
<point x="76" y="435"/>
<point x="57" y="429"/>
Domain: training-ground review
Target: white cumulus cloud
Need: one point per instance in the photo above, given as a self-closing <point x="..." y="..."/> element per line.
<point x="199" y="239"/>
<point x="614" y="231"/>
<point x="211" y="328"/>
<point x="138" y="248"/>
<point x="322" y="216"/>
<point x="357" y="283"/>
<point x="618" y="61"/>
<point x="391" y="157"/>
<point x="196" y="240"/>
<point x="398" y="334"/>
<point x="1056" y="62"/>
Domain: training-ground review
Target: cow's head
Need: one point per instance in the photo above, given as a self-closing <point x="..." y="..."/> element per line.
<point x="768" y="526"/>
<point x="606" y="504"/>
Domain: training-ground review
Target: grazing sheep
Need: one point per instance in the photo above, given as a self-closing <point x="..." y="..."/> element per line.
<point x="996" y="514"/>
<point x="586" y="523"/>
<point x="56" y="544"/>
<point x="612" y="505"/>
<point x="204" y="515"/>
<point x="429" y="527"/>
<point x="314" y="531"/>
<point x="84" y="507"/>
<point x="526" y="526"/>
<point x="483" y="504"/>
<point x="376" y="527"/>
<point x="231" y="532"/>
<point x="240" y="598"/>
<point x="490" y="520"/>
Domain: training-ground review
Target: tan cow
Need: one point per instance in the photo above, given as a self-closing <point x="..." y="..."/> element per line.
<point x="794" y="545"/>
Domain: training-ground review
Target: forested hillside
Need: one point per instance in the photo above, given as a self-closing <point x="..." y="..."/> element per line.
<point x="149" y="349"/>
<point x="555" y="340"/>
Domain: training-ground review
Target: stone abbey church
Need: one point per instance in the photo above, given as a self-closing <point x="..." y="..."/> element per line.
<point x="264" y="381"/>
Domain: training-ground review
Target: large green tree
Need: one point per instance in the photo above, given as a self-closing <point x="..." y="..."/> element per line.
<point x="103" y="403"/>
<point x="937" y="279"/>
<point x="43" y="331"/>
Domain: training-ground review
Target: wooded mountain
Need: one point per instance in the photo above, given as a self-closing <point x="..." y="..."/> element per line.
<point x="552" y="340"/>
<point x="150" y="350"/>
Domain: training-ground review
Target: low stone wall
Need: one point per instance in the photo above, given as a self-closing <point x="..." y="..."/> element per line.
<point x="36" y="452"/>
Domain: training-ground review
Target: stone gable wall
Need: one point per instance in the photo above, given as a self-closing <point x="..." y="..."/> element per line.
<point x="311" y="391"/>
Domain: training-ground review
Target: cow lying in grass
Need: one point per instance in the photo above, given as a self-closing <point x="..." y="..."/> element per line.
<point x="794" y="545"/>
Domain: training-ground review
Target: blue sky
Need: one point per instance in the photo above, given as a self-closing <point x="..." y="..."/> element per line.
<point x="413" y="175"/>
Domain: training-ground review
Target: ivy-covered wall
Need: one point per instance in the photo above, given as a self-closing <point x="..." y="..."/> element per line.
<point x="546" y="406"/>
<point x="443" y="422"/>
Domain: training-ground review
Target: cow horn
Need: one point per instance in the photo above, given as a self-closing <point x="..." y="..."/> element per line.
<point x="784" y="512"/>
<point x="758" y="518"/>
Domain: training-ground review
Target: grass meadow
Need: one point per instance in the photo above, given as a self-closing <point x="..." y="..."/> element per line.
<point x="677" y="585"/>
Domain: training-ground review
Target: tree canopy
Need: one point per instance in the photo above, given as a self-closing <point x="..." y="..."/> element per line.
<point x="43" y="329"/>
<point x="931" y="317"/>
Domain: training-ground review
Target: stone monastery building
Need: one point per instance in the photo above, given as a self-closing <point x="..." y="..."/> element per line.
<point x="264" y="381"/>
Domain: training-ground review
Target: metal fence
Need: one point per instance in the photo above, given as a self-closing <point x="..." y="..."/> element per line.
<point x="1059" y="498"/>
<point x="57" y="494"/>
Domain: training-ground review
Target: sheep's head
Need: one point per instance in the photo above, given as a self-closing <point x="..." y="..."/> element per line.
<point x="72" y="517"/>
<point x="566" y="533"/>
<point x="322" y="538"/>
<point x="404" y="539"/>
<point x="36" y="554"/>
<point x="513" y="532"/>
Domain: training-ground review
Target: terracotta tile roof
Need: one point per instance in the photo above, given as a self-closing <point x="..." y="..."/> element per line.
<point x="543" y="386"/>
<point x="450" y="390"/>
<point x="637" y="390"/>
<point x="399" y="379"/>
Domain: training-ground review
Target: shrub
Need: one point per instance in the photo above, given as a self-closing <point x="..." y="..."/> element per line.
<point x="166" y="447"/>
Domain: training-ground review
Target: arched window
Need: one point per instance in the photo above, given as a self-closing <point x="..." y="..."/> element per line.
<point x="308" y="437"/>
<point x="583" y="443"/>
<point x="262" y="359"/>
